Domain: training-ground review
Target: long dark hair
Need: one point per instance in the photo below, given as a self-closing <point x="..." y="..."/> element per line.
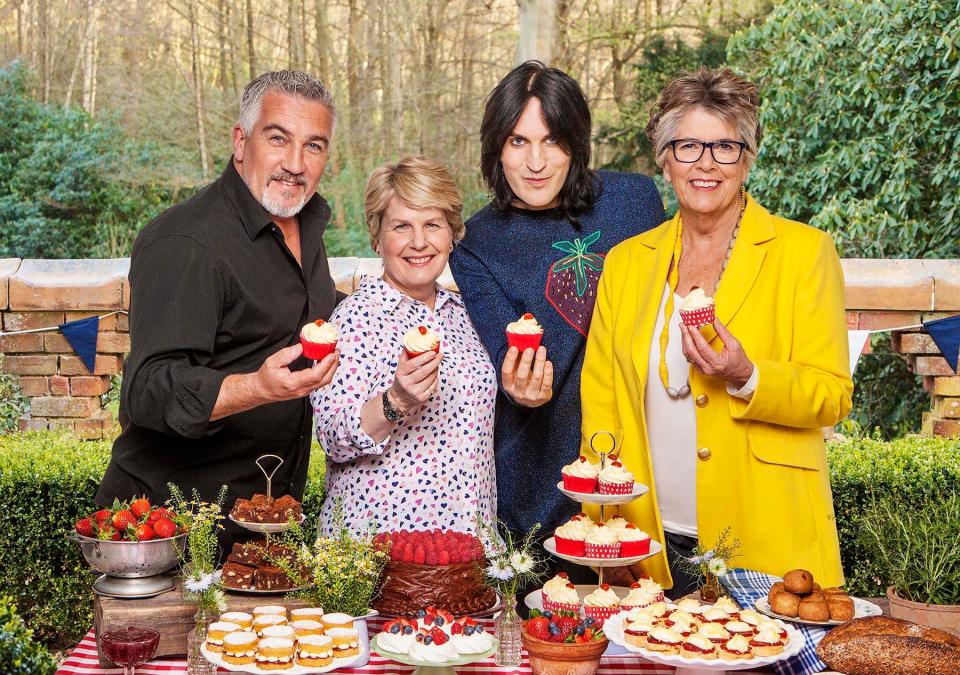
<point x="567" y="115"/>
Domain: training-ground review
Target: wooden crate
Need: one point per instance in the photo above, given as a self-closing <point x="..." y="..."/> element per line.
<point x="170" y="615"/>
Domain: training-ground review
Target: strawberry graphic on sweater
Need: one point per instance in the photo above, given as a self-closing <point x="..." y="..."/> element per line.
<point x="572" y="281"/>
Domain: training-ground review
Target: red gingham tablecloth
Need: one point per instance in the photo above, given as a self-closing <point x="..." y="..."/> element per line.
<point x="83" y="660"/>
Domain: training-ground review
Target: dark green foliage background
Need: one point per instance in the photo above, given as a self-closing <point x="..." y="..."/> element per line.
<point x="20" y="654"/>
<point x="72" y="186"/>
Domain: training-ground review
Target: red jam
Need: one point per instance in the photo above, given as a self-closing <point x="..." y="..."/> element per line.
<point x="690" y="647"/>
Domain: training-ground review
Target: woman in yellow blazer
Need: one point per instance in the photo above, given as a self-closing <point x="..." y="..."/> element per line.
<point x="724" y="422"/>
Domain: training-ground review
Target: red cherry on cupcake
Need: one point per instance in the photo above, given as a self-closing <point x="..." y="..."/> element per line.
<point x="635" y="585"/>
<point x="422" y="329"/>
<point x="319" y="322"/>
<point x="605" y="586"/>
<point x="527" y="316"/>
<point x="563" y="575"/>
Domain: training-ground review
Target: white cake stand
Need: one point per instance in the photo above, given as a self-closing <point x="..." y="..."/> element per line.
<point x="424" y="668"/>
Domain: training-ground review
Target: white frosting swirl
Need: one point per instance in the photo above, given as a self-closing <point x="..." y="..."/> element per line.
<point x="737" y="644"/>
<point x="602" y="536"/>
<point x="320" y="331"/>
<point x="581" y="468"/>
<point x="566" y="594"/>
<point x="768" y="635"/>
<point x="632" y="534"/>
<point x="616" y="473"/>
<point x="416" y="342"/>
<point x="690" y="605"/>
<point x="617" y="522"/>
<point x="556" y="583"/>
<point x="639" y="597"/>
<point x="714" y="631"/>
<point x="715" y="614"/>
<point x="525" y="325"/>
<point x="573" y="530"/>
<point x="751" y="616"/>
<point x="696" y="299"/>
<point x="432" y="653"/>
<point x="602" y="597"/>
<point x="396" y="642"/>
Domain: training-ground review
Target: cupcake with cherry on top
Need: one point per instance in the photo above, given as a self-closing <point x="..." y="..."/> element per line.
<point x="420" y="340"/>
<point x="601" y="604"/>
<point x="571" y="537"/>
<point x="524" y="333"/>
<point x="602" y="542"/>
<point x="580" y="475"/>
<point x="615" y="479"/>
<point x="559" y="594"/>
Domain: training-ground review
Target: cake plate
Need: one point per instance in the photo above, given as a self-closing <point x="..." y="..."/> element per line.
<point x="534" y="600"/>
<point x="443" y="668"/>
<point x="613" y="629"/>
<point x="216" y="658"/>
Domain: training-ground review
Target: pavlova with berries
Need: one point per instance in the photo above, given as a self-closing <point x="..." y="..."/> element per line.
<point x="435" y="636"/>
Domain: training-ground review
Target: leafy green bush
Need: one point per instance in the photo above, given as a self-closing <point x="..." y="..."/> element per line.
<point x="860" y="121"/>
<point x="72" y="186"/>
<point x="916" y="472"/>
<point x="888" y="399"/>
<point x="48" y="482"/>
<point x="12" y="402"/>
<point x="917" y="548"/>
<point x="19" y="654"/>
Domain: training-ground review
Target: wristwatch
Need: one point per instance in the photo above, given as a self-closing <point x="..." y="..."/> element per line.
<point x="390" y="411"/>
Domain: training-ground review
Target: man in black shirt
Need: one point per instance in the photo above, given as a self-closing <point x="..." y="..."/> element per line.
<point x="220" y="286"/>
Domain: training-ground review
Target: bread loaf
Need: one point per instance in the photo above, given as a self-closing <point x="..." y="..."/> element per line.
<point x="879" y="644"/>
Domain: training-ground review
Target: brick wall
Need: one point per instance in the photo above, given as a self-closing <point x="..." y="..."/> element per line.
<point x="63" y="394"/>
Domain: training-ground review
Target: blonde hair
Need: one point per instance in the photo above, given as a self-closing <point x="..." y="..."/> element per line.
<point x="419" y="183"/>
<point x="720" y="92"/>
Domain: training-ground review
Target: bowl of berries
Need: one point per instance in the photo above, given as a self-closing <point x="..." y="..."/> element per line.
<point x="131" y="544"/>
<point x="563" y="643"/>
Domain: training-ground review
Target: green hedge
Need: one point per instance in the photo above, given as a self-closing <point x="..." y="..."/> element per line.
<point x="47" y="483"/>
<point x="49" y="480"/>
<point x="914" y="470"/>
<point x="19" y="653"/>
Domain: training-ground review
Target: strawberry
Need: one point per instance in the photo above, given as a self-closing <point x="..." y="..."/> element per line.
<point x="122" y="518"/>
<point x="107" y="533"/>
<point x="157" y="514"/>
<point x="443" y="558"/>
<point x="439" y="637"/>
<point x="572" y="281"/>
<point x="100" y="516"/>
<point x="86" y="527"/>
<point x="144" y="533"/>
<point x="566" y="625"/>
<point x="164" y="528"/>
<point x="539" y="628"/>
<point x="140" y="507"/>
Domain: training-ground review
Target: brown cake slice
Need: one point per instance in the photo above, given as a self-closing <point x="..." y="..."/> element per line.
<point x="243" y="510"/>
<point x="248" y="553"/>
<point x="236" y="575"/>
<point x="288" y="508"/>
<point x="272" y="578"/>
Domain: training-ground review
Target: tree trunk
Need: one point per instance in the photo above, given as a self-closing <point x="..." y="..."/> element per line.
<point x="538" y="30"/>
<point x="43" y="25"/>
<point x="323" y="41"/>
<point x="222" y="42"/>
<point x="90" y="59"/>
<point x="251" y="54"/>
<point x="198" y="88"/>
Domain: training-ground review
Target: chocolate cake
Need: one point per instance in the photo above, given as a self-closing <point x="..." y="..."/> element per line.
<point x="264" y="509"/>
<point x="236" y="575"/>
<point x="457" y="587"/>
<point x="272" y="578"/>
<point x="250" y="565"/>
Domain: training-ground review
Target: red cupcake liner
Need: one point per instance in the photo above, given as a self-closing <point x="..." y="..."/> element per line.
<point x="579" y="484"/>
<point x="414" y="355"/>
<point x="570" y="546"/>
<point x="524" y="341"/>
<point x="632" y="548"/>
<point x="552" y="606"/>
<point x="606" y="488"/>
<point x="601" y="614"/>
<point x="699" y="317"/>
<point x="317" y="350"/>
<point x="603" y="550"/>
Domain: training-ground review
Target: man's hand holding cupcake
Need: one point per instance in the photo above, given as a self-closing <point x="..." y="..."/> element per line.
<point x="526" y="374"/>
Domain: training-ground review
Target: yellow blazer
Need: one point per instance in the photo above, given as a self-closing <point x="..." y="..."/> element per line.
<point x="766" y="477"/>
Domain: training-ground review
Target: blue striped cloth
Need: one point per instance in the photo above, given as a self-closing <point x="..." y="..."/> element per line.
<point x="746" y="586"/>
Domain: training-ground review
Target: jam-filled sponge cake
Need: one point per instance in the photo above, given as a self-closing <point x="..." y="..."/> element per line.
<point x="275" y="653"/>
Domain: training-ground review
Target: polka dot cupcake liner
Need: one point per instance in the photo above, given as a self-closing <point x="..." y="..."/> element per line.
<point x="607" y="488"/>
<point x="699" y="317"/>
<point x="601" y="614"/>
<point x="603" y="550"/>
<point x="552" y="606"/>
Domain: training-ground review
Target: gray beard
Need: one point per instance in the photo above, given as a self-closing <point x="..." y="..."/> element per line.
<point x="276" y="208"/>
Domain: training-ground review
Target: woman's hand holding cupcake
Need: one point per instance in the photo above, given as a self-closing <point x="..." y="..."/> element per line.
<point x="416" y="380"/>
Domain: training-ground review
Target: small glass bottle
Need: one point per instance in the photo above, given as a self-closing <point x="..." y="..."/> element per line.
<point x="197" y="663"/>
<point x="507" y="628"/>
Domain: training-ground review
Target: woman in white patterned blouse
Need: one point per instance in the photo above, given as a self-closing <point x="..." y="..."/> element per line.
<point x="409" y="441"/>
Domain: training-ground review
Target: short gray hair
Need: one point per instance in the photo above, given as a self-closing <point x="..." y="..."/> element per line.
<point x="721" y="93"/>
<point x="288" y="82"/>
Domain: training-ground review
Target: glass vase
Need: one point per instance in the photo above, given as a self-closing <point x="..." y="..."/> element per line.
<point x="710" y="591"/>
<point x="197" y="663"/>
<point x="507" y="627"/>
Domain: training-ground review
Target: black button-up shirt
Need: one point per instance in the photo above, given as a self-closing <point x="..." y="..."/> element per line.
<point x="215" y="291"/>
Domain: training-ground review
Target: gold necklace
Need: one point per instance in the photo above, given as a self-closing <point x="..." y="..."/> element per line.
<point x="673" y="280"/>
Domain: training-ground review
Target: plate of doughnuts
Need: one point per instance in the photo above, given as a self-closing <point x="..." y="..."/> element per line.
<point x="800" y="599"/>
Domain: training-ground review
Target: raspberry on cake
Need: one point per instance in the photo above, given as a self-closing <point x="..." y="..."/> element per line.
<point x="438" y="568"/>
<point x="615" y="479"/>
<point x="559" y="594"/>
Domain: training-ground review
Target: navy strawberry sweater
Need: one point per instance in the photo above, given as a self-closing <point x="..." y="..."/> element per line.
<point x="539" y="262"/>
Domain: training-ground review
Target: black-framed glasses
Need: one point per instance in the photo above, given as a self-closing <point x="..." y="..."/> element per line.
<point x="690" y="150"/>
